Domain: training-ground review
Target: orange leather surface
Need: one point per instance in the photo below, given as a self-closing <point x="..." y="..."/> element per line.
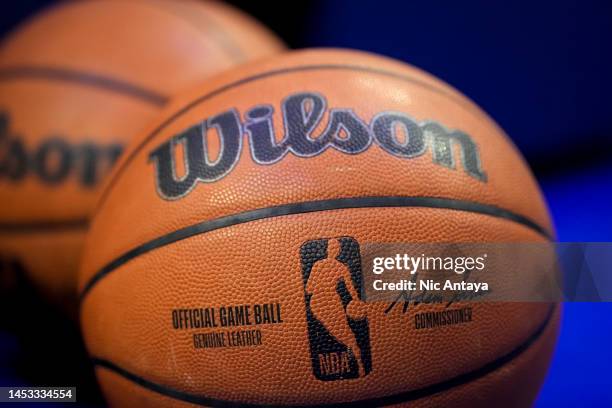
<point x="513" y="386"/>
<point x="126" y="315"/>
<point x="95" y="72"/>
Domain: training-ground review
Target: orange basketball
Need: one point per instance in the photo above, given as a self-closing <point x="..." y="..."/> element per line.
<point x="210" y="274"/>
<point x="76" y="83"/>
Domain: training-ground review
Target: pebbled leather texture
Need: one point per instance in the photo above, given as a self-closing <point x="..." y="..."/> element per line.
<point x="151" y="268"/>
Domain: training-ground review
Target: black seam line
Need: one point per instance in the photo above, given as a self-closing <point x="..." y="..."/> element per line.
<point x="83" y="78"/>
<point x="306" y="207"/>
<point x="42" y="226"/>
<point x="128" y="156"/>
<point x="378" y="401"/>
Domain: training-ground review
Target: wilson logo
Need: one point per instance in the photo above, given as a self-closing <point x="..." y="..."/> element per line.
<point x="302" y="114"/>
<point x="55" y="160"/>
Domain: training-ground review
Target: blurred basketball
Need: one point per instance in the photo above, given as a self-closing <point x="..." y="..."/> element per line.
<point x="227" y="244"/>
<point x="76" y="82"/>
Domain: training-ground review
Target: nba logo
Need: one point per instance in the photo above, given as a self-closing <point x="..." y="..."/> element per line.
<point x="338" y="329"/>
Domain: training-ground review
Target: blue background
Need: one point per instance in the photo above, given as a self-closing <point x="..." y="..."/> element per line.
<point x="542" y="70"/>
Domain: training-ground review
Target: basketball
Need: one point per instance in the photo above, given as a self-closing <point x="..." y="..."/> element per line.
<point x="225" y="249"/>
<point x="76" y="82"/>
<point x="355" y="309"/>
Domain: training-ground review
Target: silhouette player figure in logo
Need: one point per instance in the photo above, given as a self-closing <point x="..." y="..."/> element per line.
<point x="326" y="304"/>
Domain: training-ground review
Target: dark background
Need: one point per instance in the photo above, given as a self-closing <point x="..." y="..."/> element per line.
<point x="542" y="69"/>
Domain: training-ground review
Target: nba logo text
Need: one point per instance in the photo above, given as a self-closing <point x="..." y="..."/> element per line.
<point x="338" y="329"/>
